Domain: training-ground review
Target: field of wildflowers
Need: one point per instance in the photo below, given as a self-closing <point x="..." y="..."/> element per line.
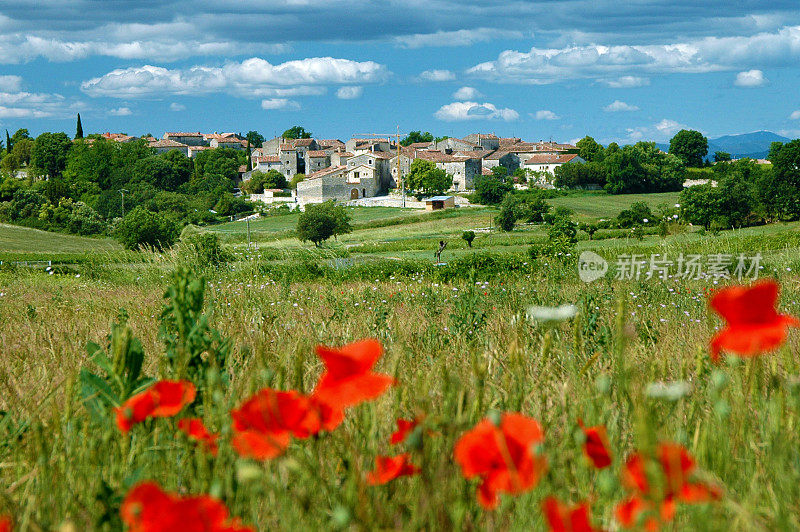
<point x="229" y="400"/>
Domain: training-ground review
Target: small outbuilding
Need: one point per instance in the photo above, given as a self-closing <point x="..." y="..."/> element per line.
<point x="437" y="203"/>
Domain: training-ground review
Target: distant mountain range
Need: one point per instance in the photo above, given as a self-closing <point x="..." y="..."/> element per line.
<point x="754" y="145"/>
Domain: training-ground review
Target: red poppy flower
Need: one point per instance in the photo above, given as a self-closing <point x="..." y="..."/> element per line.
<point x="147" y="508"/>
<point x="388" y="468"/>
<point x="753" y="324"/>
<point x="564" y="519"/>
<point x="676" y="466"/>
<point x="264" y="424"/>
<point x="502" y="457"/>
<point x="163" y="399"/>
<point x="596" y="445"/>
<point x="195" y="429"/>
<point x="348" y="378"/>
<point x="5" y="524"/>
<point x="404" y="428"/>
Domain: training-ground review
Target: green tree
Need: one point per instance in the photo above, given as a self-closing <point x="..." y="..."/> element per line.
<point x="468" y="237"/>
<point x="22" y="151"/>
<point x="774" y="148"/>
<point x="9" y="145"/>
<point x="49" y="153"/>
<point x="489" y="190"/>
<point x="296" y="132"/>
<point x="721" y="156"/>
<point x="690" y="146"/>
<point x="589" y="150"/>
<point x="255" y="138"/>
<point x="426" y="179"/>
<point x="500" y="173"/>
<point x="142" y="227"/>
<point x="781" y="194"/>
<point x="20" y="134"/>
<point x="296" y="178"/>
<point x="79" y="128"/>
<point x="321" y="221"/>
<point x="580" y="175"/>
<point x="416" y="136"/>
<point x="509" y="213"/>
<point x="156" y="171"/>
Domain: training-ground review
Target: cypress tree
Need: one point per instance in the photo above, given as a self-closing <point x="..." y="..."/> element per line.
<point x="249" y="156"/>
<point x="79" y="129"/>
<point x="8" y="142"/>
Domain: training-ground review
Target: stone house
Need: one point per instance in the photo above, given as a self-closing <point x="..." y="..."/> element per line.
<point x="317" y="160"/>
<point x="189" y="139"/>
<point x="360" y="146"/>
<point x="547" y="162"/>
<point x="194" y="150"/>
<point x="339" y="183"/>
<point x="463" y="169"/>
<point x="231" y="142"/>
<point x="165" y="145"/>
<point x="452" y="145"/>
<point x="381" y="162"/>
<point x="486" y="141"/>
<point x="501" y="158"/>
<point x="265" y="163"/>
<point x="339" y="158"/>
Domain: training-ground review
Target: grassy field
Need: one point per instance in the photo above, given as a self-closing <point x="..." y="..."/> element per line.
<point x="458" y="342"/>
<point x="22" y="240"/>
<point x="607" y="206"/>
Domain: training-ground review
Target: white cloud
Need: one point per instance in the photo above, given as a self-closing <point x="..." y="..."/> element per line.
<point x="252" y="77"/>
<point x="750" y="78"/>
<point x="177" y="107"/>
<point x="454" y="38"/>
<point x="659" y="131"/>
<point x="467" y="93"/>
<point x="279" y="103"/>
<point x="544" y="114"/>
<point x="36" y="105"/>
<point x="607" y="62"/>
<point x="121" y="111"/>
<point x="795" y="115"/>
<point x="619" y="106"/>
<point x="437" y="75"/>
<point x="10" y="83"/>
<point x="626" y="82"/>
<point x="349" y="93"/>
<point x="458" y="111"/>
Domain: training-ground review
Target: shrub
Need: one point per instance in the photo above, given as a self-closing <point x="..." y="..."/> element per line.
<point x="320" y="222"/>
<point x="468" y="237"/>
<point x="204" y="249"/>
<point x="490" y="191"/>
<point x="141" y="227"/>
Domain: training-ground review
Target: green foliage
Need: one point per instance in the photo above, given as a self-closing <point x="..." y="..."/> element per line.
<point x="534" y="210"/>
<point x="79" y="128"/>
<point x="426" y="179"/>
<point x="50" y="153"/>
<point x="194" y="350"/>
<point x="468" y="237"/>
<point x="643" y="168"/>
<point x="321" y="221"/>
<point x="417" y="136"/>
<point x="576" y="175"/>
<point x="259" y="181"/>
<point x="500" y="173"/>
<point x="204" y="249"/>
<point x="255" y="138"/>
<point x="121" y="373"/>
<point x="721" y="156"/>
<point x="590" y="150"/>
<point x="296" y="132"/>
<point x="780" y="193"/>
<point x="490" y="191"/>
<point x="509" y="213"/>
<point x="638" y="214"/>
<point x="142" y="227"/>
<point x="296" y="178"/>
<point x="689" y="146"/>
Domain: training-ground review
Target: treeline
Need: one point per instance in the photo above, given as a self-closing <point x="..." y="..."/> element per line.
<point x="99" y="186"/>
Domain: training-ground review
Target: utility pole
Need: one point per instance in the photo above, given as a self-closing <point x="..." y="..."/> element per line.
<point x="248" y="234"/>
<point x="122" y="191"/>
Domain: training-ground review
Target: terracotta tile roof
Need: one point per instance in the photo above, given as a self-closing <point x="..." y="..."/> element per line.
<point x="330" y="143"/>
<point x="547" y="158"/>
<point x="286" y="147"/>
<point x="166" y="143"/>
<point x="303" y="142"/>
<point x="317" y="153"/>
<point x="269" y="159"/>
<point x="181" y="134"/>
<point x="474" y="154"/>
<point x="119" y="137"/>
<point x="486" y="171"/>
<point x="419" y="144"/>
<point x="496" y="155"/>
<point x="325" y="171"/>
<point x="508" y="141"/>
<point x="439" y="157"/>
<point x="345" y="154"/>
<point x="199" y="148"/>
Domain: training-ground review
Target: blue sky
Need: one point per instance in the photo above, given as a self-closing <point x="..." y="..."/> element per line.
<point x="561" y="69"/>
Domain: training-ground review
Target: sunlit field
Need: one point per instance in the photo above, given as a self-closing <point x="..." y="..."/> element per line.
<point x="460" y="346"/>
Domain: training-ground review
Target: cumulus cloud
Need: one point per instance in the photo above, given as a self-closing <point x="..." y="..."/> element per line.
<point x="606" y="62"/>
<point x="121" y="111"/>
<point x="10" y="83"/>
<point x="437" y="75"/>
<point x="750" y="78"/>
<point x="626" y="82"/>
<point x="279" y="103"/>
<point x="462" y="37"/>
<point x="252" y="77"/>
<point x="619" y="106"/>
<point x="460" y="111"/>
<point x="544" y="114"/>
<point x="177" y="107"/>
<point x="795" y="115"/>
<point x="467" y="93"/>
<point x="660" y="131"/>
<point x="349" y="93"/>
<point x="36" y="105"/>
